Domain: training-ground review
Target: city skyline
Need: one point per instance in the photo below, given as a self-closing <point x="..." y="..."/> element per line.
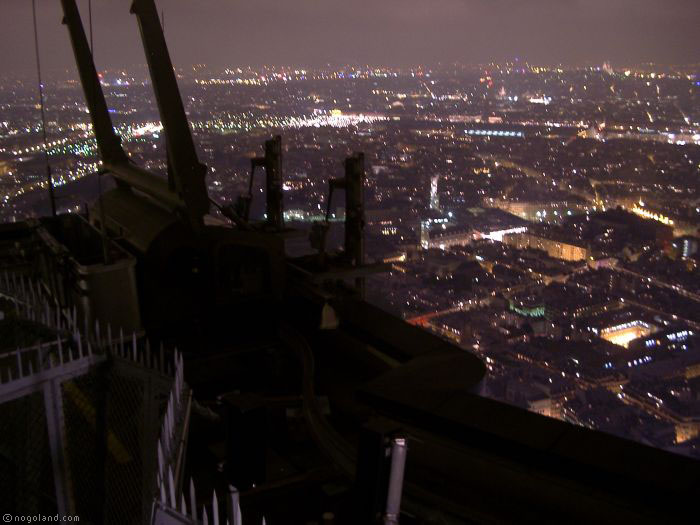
<point x="308" y="33"/>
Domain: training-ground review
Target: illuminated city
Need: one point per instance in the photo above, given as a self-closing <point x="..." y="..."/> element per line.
<point x="542" y="219"/>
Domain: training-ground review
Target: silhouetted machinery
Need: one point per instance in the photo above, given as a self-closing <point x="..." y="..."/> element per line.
<point x="200" y="277"/>
<point x="191" y="264"/>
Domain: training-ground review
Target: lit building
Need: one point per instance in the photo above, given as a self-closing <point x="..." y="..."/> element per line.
<point x="666" y="406"/>
<point x="670" y="339"/>
<point x="557" y="249"/>
<point x="528" y="307"/>
<point x="427" y="224"/>
<point x="686" y="246"/>
<point x="449" y="237"/>
<point x="540" y="211"/>
<point x="425" y="234"/>
<point x="623" y="334"/>
<point x="434" y="197"/>
<point x="645" y="212"/>
<point x="494" y="133"/>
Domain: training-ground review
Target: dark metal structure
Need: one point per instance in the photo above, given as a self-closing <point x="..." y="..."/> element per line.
<point x="273" y="183"/>
<point x="353" y="183"/>
<point x="183" y="258"/>
<point x="271" y="162"/>
<point x="113" y="157"/>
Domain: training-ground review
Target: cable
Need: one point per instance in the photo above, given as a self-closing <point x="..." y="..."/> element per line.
<point x="106" y="259"/>
<point x="49" y="179"/>
<point x="92" y="51"/>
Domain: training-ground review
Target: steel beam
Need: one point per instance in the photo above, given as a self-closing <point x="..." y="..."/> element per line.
<point x="273" y="177"/>
<point x="113" y="157"/>
<point x="108" y="142"/>
<point x="187" y="173"/>
<point x="354" y="208"/>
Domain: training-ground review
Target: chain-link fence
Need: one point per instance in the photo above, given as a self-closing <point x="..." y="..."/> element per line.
<point x="110" y="421"/>
<point x="26" y="474"/>
<point x="94" y="425"/>
<point x="80" y="419"/>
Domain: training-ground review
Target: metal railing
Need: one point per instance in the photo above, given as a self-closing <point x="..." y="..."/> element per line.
<point x="81" y="415"/>
<point x="95" y="424"/>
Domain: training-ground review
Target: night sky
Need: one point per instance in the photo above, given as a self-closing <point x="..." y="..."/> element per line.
<point x="378" y="32"/>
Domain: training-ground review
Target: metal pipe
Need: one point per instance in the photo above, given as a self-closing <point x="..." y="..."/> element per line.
<point x="398" y="464"/>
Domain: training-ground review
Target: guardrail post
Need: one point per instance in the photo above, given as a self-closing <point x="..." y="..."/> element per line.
<point x="53" y="407"/>
<point x="398" y="464"/>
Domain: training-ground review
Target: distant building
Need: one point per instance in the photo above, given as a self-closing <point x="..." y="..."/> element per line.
<point x="558" y="249"/>
<point x="623" y="334"/>
<point x="425" y="234"/>
<point x="530" y="397"/>
<point x="434" y="197"/>
<point x="686" y="246"/>
<point x="667" y="404"/>
<point x="541" y="211"/>
<point x="676" y="338"/>
<point x="432" y="220"/>
<point x="450" y="236"/>
<point x="634" y="227"/>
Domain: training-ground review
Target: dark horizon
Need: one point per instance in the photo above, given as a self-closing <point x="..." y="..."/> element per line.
<point x="307" y="33"/>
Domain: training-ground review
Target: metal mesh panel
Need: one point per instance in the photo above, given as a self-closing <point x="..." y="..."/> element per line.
<point x="111" y="416"/>
<point x="85" y="445"/>
<point x="26" y="473"/>
<point x="105" y="398"/>
<point x="124" y="475"/>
